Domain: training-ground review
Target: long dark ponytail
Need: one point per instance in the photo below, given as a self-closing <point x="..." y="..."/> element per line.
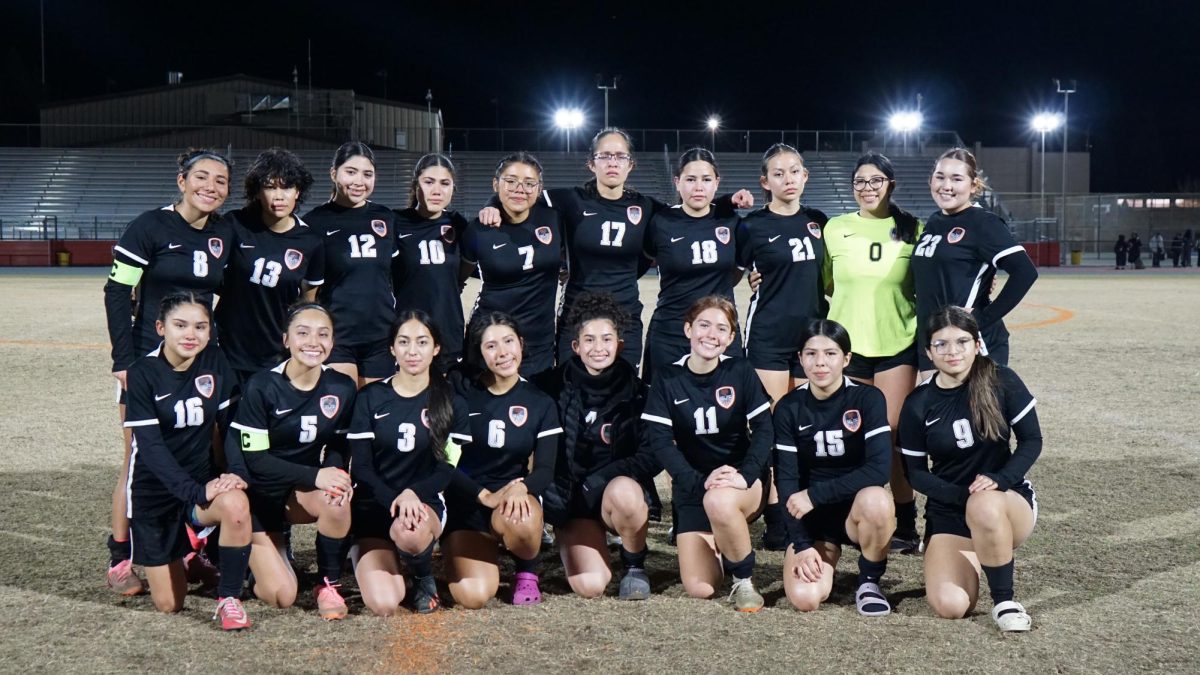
<point x="982" y="381"/>
<point x="441" y="398"/>
<point x="906" y="223"/>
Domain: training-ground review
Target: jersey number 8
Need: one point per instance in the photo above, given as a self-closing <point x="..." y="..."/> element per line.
<point x="199" y="264"/>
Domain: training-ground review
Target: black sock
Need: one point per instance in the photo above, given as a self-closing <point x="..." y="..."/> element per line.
<point x="906" y="517"/>
<point x="234" y="560"/>
<point x="870" y="570"/>
<point x="329" y="557"/>
<point x="118" y="551"/>
<point x="742" y="569"/>
<point x="212" y="547"/>
<point x="526" y="565"/>
<point x="633" y="560"/>
<point x="773" y="517"/>
<point x="1000" y="582"/>
<point x="420" y="564"/>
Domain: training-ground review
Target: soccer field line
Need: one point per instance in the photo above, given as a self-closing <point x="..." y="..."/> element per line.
<point x="1061" y="315"/>
<point x="51" y="344"/>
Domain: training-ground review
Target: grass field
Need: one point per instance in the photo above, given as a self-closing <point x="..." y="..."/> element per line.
<point x="1111" y="574"/>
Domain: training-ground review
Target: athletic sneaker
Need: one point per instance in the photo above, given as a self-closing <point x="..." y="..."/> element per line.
<point x="671" y="536"/>
<point x="123" y="580"/>
<point x="526" y="590"/>
<point x="905" y="542"/>
<point x="425" y="595"/>
<point x="330" y="604"/>
<point x="200" y="570"/>
<point x="635" y="585"/>
<point x="1010" y="617"/>
<point x="232" y="614"/>
<point x="744" y="597"/>
<point x="613" y="539"/>
<point x="547" y="535"/>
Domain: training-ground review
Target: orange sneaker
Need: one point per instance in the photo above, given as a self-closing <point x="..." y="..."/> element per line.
<point x="330" y="604"/>
<point x="123" y="580"/>
<point x="232" y="614"/>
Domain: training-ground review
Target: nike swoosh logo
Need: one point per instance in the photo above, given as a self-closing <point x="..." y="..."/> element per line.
<point x="847" y="235"/>
<point x="281" y="413"/>
<point x="245" y="245"/>
<point x="589" y="213"/>
<point x="173" y="246"/>
<point x="802" y="427"/>
<point x="159" y="398"/>
<point x="379" y="417"/>
<point x="496" y="246"/>
<point x="774" y="238"/>
<point x="929" y="424"/>
<point x="473" y="414"/>
<point x="329" y="233"/>
<point x="682" y="400"/>
<point x="675" y="239"/>
<point x="402" y="236"/>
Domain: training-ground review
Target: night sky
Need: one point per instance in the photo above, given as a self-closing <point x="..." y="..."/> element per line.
<point x="982" y="67"/>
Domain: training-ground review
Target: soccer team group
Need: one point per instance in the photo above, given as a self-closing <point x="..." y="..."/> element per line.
<point x="278" y="369"/>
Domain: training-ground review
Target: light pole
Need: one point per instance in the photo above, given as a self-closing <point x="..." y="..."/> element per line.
<point x="714" y="123"/>
<point x="1043" y="123"/>
<point x="1066" y="92"/>
<point x="429" y="116"/>
<point x="568" y="119"/>
<point x="607" y="88"/>
<point x="905" y="122"/>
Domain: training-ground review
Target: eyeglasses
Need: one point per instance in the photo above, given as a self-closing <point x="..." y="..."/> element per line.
<point x="514" y="185"/>
<point x="875" y="182"/>
<point x="618" y="157"/>
<point x="944" y="347"/>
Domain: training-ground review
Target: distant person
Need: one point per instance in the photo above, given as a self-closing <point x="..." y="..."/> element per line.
<point x="1176" y="249"/>
<point x="1121" y="249"/>
<point x="1135" y="253"/>
<point x="980" y="506"/>
<point x="1189" y="245"/>
<point x="1157" y="250"/>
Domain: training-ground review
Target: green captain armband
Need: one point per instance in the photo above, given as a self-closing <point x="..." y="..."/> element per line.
<point x="255" y="442"/>
<point x="453" y="452"/>
<point x="125" y="274"/>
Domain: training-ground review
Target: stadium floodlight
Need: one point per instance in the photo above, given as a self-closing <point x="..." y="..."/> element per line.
<point x="568" y="119"/>
<point x="1044" y="123"/>
<point x="905" y="121"/>
<point x="713" y="124"/>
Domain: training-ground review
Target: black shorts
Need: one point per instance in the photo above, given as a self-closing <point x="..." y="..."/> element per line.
<point x="373" y="359"/>
<point x="940" y="519"/>
<point x="369" y="520"/>
<point x="576" y="506"/>
<point x="825" y="523"/>
<point x="665" y="347"/>
<point x="268" y="507"/>
<point x="467" y="514"/>
<point x="161" y="539"/>
<point x="690" y="515"/>
<point x="866" y="367"/>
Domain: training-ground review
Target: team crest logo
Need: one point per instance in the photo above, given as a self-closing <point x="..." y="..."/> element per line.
<point x="544" y="235"/>
<point x="448" y="233"/>
<point x="205" y="384"/>
<point x="292" y="258"/>
<point x="330" y="405"/>
<point x="425" y="417"/>
<point x="634" y="214"/>
<point x="517" y="414"/>
<point x="379" y="227"/>
<point x="606" y="434"/>
<point x="892" y="234"/>
<point x="852" y="420"/>
<point x="725" y="397"/>
<point x="956" y="235"/>
<point x="723" y="234"/>
<point x="216" y="247"/>
<point x="814" y="229"/>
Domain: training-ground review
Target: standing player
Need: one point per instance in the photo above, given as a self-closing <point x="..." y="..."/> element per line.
<point x="276" y="258"/>
<point x="177" y="395"/>
<point x="694" y="247"/>
<point x="605" y="224"/>
<point x="359" y="246"/>
<point x="495" y="494"/>
<point x="960" y="249"/>
<point x="709" y="423"/>
<point x="980" y="505"/>
<point x="181" y="247"/>
<point x="782" y="242"/>
<point x="835" y="455"/>
<point x="291" y="427"/>
<point x="605" y="478"/>
<point x="399" y="438"/>
<point x="425" y="274"/>
<point x="519" y="261"/>
<point x="871" y="287"/>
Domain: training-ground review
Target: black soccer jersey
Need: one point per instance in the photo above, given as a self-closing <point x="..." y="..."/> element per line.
<point x="787" y="251"/>
<point x="172" y="414"/>
<point x="262" y="281"/>
<point x="425" y="273"/>
<point x="359" y="246"/>
<point x="281" y="430"/>
<point x="159" y="253"/>
<point x="696" y="257"/>
<point x="832" y="448"/>
<point x="935" y="423"/>
<point x="505" y="431"/>
<point x="391" y="445"/>
<point x="519" y="265"/>
<point x="697" y="423"/>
